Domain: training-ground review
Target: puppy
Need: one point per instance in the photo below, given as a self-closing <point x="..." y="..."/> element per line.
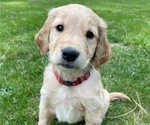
<point x="75" y="38"/>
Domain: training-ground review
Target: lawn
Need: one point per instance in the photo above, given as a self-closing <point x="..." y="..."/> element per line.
<point x="21" y="65"/>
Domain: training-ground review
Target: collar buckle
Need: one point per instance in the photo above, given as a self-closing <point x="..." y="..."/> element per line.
<point x="67" y="83"/>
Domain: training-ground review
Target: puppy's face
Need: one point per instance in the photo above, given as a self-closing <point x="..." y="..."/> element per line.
<point x="75" y="38"/>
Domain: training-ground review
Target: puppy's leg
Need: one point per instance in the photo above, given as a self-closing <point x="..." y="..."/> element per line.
<point x="93" y="118"/>
<point x="45" y="117"/>
<point x="93" y="113"/>
<point x="96" y="116"/>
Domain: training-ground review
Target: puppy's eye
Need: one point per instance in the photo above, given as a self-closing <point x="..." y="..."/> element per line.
<point x="60" y="28"/>
<point x="89" y="35"/>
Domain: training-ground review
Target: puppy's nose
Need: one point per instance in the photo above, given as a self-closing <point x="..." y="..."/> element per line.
<point x="69" y="54"/>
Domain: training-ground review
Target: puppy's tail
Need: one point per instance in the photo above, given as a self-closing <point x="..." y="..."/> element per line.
<point x="118" y="95"/>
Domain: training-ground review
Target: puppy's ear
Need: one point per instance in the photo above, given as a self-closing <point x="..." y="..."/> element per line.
<point x="42" y="37"/>
<point x="103" y="50"/>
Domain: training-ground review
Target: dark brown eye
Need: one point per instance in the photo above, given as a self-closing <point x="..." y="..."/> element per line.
<point x="89" y="35"/>
<point x="60" y="28"/>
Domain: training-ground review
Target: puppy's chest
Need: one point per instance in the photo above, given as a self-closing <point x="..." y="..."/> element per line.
<point x="68" y="108"/>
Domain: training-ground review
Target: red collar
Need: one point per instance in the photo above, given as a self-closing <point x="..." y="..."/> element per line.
<point x="72" y="83"/>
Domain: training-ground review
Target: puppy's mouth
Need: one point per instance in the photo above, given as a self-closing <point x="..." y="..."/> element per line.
<point x="68" y="66"/>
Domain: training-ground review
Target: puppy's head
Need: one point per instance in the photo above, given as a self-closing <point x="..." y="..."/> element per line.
<point x="75" y="38"/>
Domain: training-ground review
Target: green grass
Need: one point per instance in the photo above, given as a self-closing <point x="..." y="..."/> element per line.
<point x="21" y="65"/>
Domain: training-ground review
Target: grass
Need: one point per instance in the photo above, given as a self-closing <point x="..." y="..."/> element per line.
<point x="21" y="65"/>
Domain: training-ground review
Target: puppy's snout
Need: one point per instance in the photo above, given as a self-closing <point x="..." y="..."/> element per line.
<point x="69" y="54"/>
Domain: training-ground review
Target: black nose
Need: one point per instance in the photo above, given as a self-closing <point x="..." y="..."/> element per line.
<point x="69" y="54"/>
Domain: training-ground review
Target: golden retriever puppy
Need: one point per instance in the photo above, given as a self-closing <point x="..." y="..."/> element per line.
<point x="75" y="38"/>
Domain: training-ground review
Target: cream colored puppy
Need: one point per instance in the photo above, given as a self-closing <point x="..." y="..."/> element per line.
<point x="75" y="38"/>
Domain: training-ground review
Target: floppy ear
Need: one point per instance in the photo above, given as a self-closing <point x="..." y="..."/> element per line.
<point x="103" y="50"/>
<point x="42" y="37"/>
